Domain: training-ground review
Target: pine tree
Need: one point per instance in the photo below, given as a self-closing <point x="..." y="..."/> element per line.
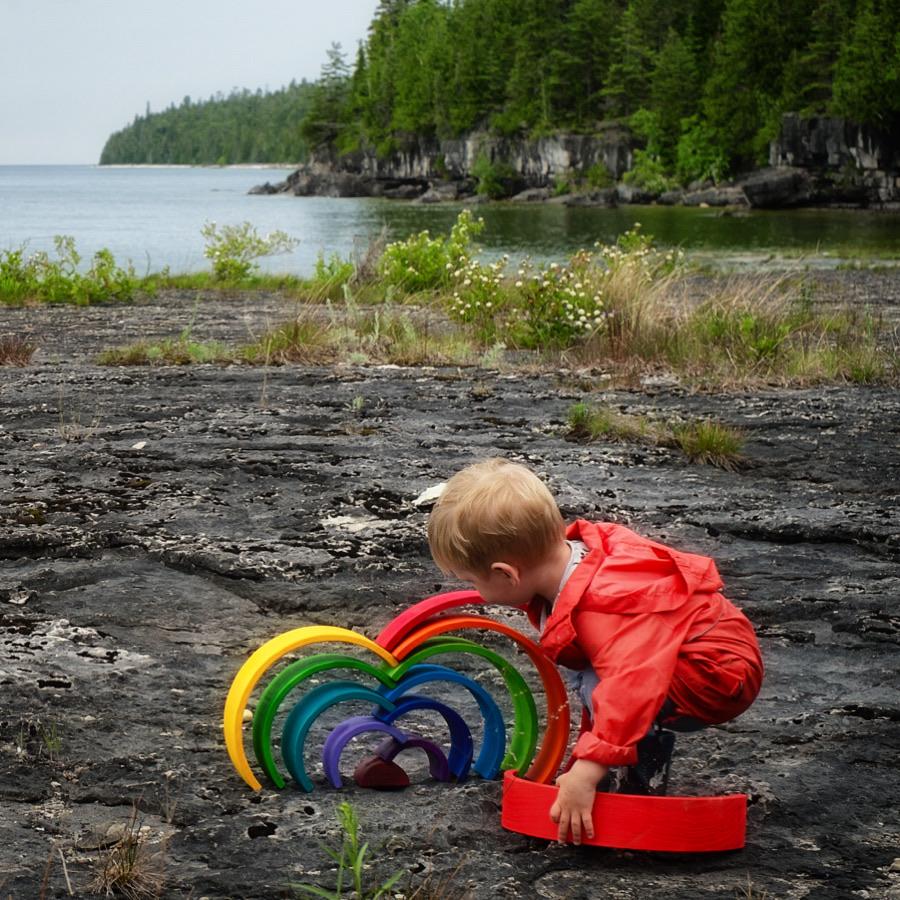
<point x="867" y="72"/>
<point x="628" y="79"/>
<point x="742" y="97"/>
<point x="674" y="91"/>
<point x="809" y="72"/>
<point x="328" y="110"/>
<point x="583" y="59"/>
<point x="422" y="63"/>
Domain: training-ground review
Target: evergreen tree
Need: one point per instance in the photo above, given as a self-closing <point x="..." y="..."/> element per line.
<point x="533" y="90"/>
<point x="327" y="113"/>
<point x="628" y="79"/>
<point x="674" y="91"/>
<point x="867" y="72"/>
<point x="482" y="55"/>
<point x="704" y="81"/>
<point x="583" y="59"/>
<point x="742" y="100"/>
<point x="809" y="72"/>
<point x="422" y="66"/>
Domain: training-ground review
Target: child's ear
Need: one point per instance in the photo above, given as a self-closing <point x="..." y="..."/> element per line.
<point x="509" y="571"/>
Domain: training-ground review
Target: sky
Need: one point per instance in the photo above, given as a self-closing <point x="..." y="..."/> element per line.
<point x="74" y="71"/>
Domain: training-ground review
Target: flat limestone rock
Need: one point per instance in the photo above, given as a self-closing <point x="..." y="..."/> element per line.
<point x="135" y="582"/>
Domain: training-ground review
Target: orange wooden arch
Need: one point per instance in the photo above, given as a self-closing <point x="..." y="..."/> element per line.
<point x="556" y="735"/>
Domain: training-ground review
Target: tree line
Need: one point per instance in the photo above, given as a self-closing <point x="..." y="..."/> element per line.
<point x="704" y="83"/>
<point x="243" y="127"/>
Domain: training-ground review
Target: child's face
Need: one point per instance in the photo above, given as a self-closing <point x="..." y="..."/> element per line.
<point x="502" y="585"/>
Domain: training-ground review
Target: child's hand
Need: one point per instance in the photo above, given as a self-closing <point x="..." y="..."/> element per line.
<point x="577" y="790"/>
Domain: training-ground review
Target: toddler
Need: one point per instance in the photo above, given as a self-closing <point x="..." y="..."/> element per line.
<point x="641" y="631"/>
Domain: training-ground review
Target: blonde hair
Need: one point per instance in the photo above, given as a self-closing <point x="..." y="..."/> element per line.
<point x="493" y="511"/>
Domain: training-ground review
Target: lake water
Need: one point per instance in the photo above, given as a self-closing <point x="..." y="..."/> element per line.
<point x="153" y="217"/>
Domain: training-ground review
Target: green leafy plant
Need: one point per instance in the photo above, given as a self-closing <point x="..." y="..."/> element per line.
<point x="350" y="858"/>
<point x="556" y="305"/>
<point x="649" y="173"/>
<point x="494" y="178"/>
<point x="697" y="155"/>
<point x="422" y="263"/>
<point x="42" y="277"/>
<point x="235" y="249"/>
<point x="598" y="176"/>
<point x="334" y="269"/>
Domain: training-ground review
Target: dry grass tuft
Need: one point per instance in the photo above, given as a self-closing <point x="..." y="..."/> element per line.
<point x="128" y="868"/>
<point x="15" y="350"/>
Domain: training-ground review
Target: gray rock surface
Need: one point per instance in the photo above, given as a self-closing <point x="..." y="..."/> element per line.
<point x="160" y="524"/>
<point x="604" y="197"/>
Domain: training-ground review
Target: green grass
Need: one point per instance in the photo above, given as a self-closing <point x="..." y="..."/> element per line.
<point x="352" y="876"/>
<point x="318" y="336"/>
<point x="746" y="332"/>
<point x="626" y="308"/>
<point x="169" y="352"/>
<point x="703" y="441"/>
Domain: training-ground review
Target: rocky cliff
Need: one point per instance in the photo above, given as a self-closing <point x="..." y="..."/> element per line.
<point x="814" y="162"/>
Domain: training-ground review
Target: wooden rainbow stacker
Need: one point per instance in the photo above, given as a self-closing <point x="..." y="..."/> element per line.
<point x="402" y="662"/>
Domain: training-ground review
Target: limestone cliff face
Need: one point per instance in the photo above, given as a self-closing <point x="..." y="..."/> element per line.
<point x="858" y="162"/>
<point x="536" y="160"/>
<point x="821" y="161"/>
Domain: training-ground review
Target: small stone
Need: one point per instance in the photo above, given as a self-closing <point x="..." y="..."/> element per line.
<point x="430" y="495"/>
<point x="139" y="445"/>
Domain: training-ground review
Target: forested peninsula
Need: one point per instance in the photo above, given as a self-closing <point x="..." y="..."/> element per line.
<point x="670" y="92"/>
<point x="243" y="127"/>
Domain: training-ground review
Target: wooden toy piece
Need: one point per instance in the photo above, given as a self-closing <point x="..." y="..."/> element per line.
<point x="256" y="666"/>
<point x="493" y="746"/>
<point x="462" y="747"/>
<point x="313" y="704"/>
<point x="632" y="821"/>
<point x="383" y="777"/>
<point x="437" y="762"/>
<point x="380" y="775"/>
<point x="402" y="625"/>
<point x="338" y="739"/>
<point x="556" y="735"/>
<point x="286" y="681"/>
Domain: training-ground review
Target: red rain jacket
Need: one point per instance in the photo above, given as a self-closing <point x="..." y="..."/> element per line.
<point x="652" y="623"/>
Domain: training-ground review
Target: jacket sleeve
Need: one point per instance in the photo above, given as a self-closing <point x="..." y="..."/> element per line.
<point x="634" y="656"/>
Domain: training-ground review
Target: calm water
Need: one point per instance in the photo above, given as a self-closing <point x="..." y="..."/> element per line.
<point x="153" y="217"/>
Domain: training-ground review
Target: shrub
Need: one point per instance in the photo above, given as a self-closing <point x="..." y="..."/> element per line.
<point x="598" y="176"/>
<point x="557" y="305"/>
<point x="234" y="249"/>
<point x="41" y="277"/>
<point x="648" y="173"/>
<point x="422" y="263"/>
<point x="495" y="179"/>
<point x="336" y="268"/>
<point x="697" y="157"/>
<point x="479" y="298"/>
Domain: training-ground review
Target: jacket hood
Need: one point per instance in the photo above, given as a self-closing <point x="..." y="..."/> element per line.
<point x="626" y="574"/>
